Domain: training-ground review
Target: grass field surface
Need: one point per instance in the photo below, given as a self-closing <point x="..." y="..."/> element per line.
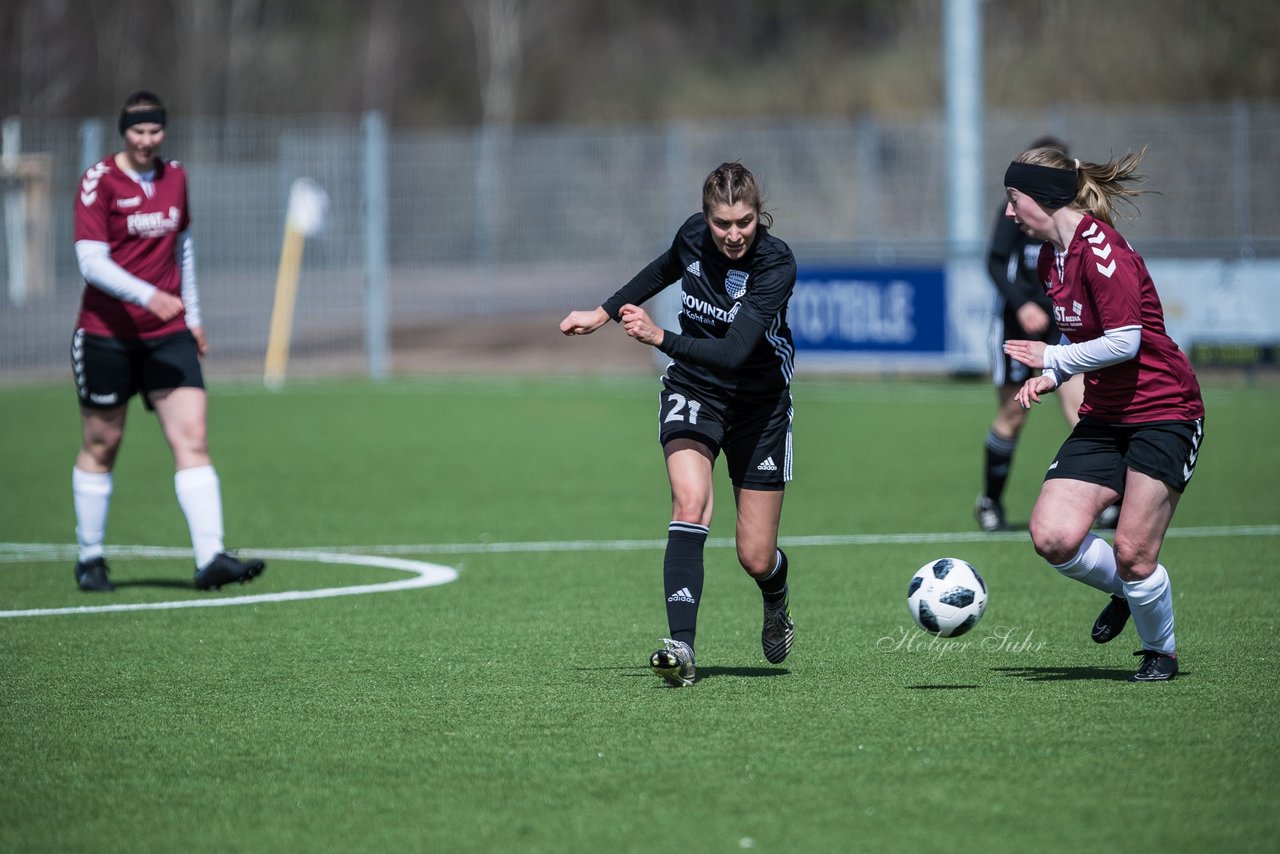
<point x="482" y="686"/>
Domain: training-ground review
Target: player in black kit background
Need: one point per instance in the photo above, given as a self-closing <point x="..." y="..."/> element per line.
<point x="1022" y="310"/>
<point x="728" y="388"/>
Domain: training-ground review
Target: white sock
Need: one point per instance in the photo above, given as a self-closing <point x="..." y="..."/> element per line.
<point x="91" y="493"/>
<point x="1094" y="565"/>
<point x="1151" y="604"/>
<point x="201" y="501"/>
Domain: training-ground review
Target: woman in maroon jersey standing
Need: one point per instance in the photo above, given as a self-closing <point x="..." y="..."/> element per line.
<point x="1142" y="420"/>
<point x="139" y="332"/>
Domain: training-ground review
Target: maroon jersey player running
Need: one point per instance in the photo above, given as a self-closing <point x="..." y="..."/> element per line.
<point x="139" y="331"/>
<point x="1142" y="420"/>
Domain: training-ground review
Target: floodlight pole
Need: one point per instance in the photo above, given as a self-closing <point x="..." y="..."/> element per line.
<point x="968" y="290"/>
<point x="962" y="28"/>
<point x="376" y="246"/>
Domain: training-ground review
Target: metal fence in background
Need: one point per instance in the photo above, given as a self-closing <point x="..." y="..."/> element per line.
<point x="531" y="221"/>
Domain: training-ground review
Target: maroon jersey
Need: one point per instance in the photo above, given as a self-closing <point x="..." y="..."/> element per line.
<point x="140" y="222"/>
<point x="1103" y="284"/>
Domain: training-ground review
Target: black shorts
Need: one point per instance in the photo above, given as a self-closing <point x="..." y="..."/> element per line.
<point x="109" y="371"/>
<point x="1098" y="452"/>
<point x="1006" y="370"/>
<point x="755" y="435"/>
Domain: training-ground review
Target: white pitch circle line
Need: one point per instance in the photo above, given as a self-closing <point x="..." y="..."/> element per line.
<point x="11" y="551"/>
<point x="423" y="575"/>
<point x="429" y="574"/>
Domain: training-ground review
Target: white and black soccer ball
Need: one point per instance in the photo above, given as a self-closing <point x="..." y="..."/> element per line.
<point x="947" y="597"/>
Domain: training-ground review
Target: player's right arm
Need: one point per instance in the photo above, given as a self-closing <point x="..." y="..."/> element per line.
<point x="1004" y="260"/>
<point x="102" y="272"/>
<point x="93" y="252"/>
<point x="584" y="322"/>
<point x="656" y="275"/>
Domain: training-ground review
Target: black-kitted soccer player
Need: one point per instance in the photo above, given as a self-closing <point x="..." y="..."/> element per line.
<point x="728" y="388"/>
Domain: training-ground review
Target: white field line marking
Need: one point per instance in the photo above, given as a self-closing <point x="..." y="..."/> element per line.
<point x="530" y="547"/>
<point x="21" y="552"/>
<point x="424" y="575"/>
<point x="428" y="574"/>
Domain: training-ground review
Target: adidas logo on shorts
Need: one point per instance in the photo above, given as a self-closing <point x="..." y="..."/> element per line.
<point x="767" y="465"/>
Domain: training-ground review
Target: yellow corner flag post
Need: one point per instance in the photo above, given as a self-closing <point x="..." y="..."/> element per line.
<point x="307" y="206"/>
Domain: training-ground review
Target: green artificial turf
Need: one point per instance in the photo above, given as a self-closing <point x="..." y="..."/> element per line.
<point x="511" y="709"/>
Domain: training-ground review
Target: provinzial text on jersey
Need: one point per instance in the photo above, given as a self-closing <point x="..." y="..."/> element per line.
<point x="704" y="312"/>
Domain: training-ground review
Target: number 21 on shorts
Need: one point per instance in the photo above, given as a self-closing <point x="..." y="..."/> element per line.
<point x="679" y="405"/>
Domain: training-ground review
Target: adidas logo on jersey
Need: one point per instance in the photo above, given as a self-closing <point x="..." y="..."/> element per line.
<point x="767" y="465"/>
<point x="694" y="269"/>
<point x="682" y="595"/>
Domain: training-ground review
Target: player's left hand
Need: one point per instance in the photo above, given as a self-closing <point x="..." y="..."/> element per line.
<point x="639" y="326"/>
<point x="202" y="346"/>
<point x="1033" y="388"/>
<point x="1029" y="353"/>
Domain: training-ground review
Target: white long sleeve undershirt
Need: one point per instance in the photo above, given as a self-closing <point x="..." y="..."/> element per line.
<point x="1063" y="360"/>
<point x="100" y="270"/>
<point x="190" y="292"/>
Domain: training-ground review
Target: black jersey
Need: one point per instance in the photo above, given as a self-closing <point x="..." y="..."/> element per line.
<point x="1011" y="263"/>
<point x="734" y="337"/>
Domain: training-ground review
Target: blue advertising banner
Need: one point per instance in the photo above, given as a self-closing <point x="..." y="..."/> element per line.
<point x="870" y="309"/>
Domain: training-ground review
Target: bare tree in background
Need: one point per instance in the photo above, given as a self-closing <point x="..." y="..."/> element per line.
<point x="494" y="62"/>
<point x="503" y="29"/>
<point x="48" y="75"/>
<point x="499" y="30"/>
<point x="381" y="55"/>
<point x="127" y="40"/>
<point x="243" y="53"/>
<point x="203" y="29"/>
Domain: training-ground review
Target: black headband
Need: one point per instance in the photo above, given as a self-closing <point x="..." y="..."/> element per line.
<point x="1052" y="188"/>
<point x="152" y="115"/>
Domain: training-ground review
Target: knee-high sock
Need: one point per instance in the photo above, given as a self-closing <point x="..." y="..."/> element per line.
<point x="1151" y="604"/>
<point x="682" y="574"/>
<point x="91" y="494"/>
<point x="999" y="460"/>
<point x="201" y="501"/>
<point x="1094" y="565"/>
<point x="773" y="587"/>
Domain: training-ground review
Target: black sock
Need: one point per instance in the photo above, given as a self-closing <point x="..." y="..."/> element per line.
<point x="774" y="586"/>
<point x="682" y="573"/>
<point x="999" y="459"/>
